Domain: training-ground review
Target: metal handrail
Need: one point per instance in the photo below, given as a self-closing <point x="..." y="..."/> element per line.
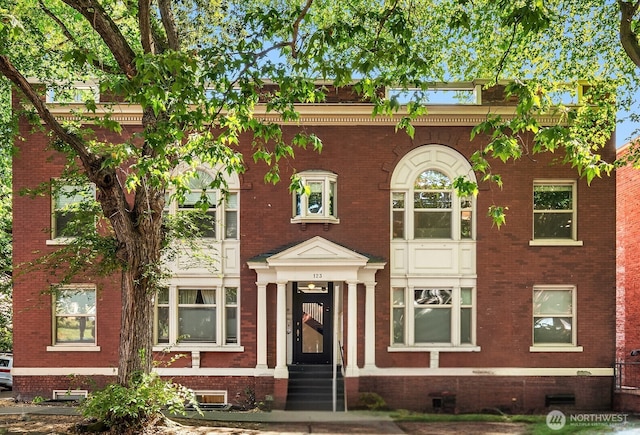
<point x="344" y="373"/>
<point x="627" y="375"/>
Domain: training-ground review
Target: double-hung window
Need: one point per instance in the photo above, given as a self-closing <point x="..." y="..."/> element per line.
<point x="554" y="212"/>
<point x="318" y="201"/>
<point x="432" y="316"/>
<point x="190" y="315"/>
<point x="74" y="320"/>
<point x="554" y="317"/>
<point x="69" y="203"/>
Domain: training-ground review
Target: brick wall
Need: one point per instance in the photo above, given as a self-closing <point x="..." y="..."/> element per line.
<point x="628" y="266"/>
<point x="364" y="157"/>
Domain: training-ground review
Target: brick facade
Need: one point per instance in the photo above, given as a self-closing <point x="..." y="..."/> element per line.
<point x="504" y="373"/>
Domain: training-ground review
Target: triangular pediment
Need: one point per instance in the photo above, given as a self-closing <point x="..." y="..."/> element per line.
<point x="317" y="249"/>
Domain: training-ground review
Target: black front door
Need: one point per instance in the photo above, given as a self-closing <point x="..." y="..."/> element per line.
<point x="313" y="322"/>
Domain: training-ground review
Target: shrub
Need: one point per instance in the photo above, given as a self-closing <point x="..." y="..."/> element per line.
<point x="142" y="402"/>
<point x="372" y="402"/>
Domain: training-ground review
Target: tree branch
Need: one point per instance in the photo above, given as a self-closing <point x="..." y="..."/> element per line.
<point x="169" y="23"/>
<point x="628" y="39"/>
<point x="108" y="31"/>
<point x="20" y="82"/>
<point x="96" y="64"/>
<point x="296" y="27"/>
<point x="144" y="21"/>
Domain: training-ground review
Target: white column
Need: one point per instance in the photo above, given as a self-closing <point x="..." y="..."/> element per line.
<point x="370" y="326"/>
<point x="261" y="326"/>
<point x="352" y="329"/>
<point x="281" y="332"/>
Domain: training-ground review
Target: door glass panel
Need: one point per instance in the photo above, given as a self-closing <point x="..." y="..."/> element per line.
<point x="312" y="327"/>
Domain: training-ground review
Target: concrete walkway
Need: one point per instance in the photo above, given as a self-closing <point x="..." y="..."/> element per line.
<point x="379" y="423"/>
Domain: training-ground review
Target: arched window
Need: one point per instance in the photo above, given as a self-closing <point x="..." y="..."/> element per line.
<point x="424" y="202"/>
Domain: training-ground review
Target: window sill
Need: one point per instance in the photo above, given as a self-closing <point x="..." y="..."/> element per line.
<point x="555" y="242"/>
<point x="315" y="220"/>
<point x="467" y="348"/>
<point x="62" y="348"/>
<point x="555" y="349"/>
<point x="196" y="348"/>
<point x="60" y="241"/>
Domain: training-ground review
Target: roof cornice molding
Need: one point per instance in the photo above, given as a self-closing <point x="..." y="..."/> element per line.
<point x="339" y="114"/>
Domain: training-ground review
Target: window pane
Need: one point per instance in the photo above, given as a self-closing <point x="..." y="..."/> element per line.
<point x="433" y="297"/>
<point x="196" y="324"/>
<point x="398" y="200"/>
<point x="81" y="301"/>
<point x="332" y="199"/>
<point x="232" y="325"/>
<point x="231" y="296"/>
<point x="465" y="296"/>
<point x="75" y="329"/>
<point x="231" y="222"/>
<point x="549" y="302"/>
<point x="552" y="330"/>
<point x="398" y="224"/>
<point x="465" y="224"/>
<point x="553" y="197"/>
<point x="432" y="325"/>
<point x="163" y="325"/>
<point x="432" y="180"/>
<point x="163" y="295"/>
<point x="552" y="225"/>
<point x="398" y="325"/>
<point x="432" y="225"/>
<point x="465" y="325"/>
<point x="232" y="201"/>
<point x="314" y="205"/>
<point x="398" y="297"/>
<point x="432" y="200"/>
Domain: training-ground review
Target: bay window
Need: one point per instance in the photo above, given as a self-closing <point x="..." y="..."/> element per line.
<point x="433" y="316"/>
<point x="197" y="315"/>
<point x="318" y="202"/>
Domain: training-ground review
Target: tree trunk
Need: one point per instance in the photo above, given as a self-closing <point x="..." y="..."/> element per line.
<point x="136" y="334"/>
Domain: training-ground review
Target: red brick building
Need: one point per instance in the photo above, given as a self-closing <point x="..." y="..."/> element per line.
<point x="382" y="272"/>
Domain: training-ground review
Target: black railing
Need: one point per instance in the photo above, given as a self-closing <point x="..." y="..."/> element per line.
<point x="627" y="375"/>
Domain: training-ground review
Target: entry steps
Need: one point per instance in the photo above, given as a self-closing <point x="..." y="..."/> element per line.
<point x="311" y="388"/>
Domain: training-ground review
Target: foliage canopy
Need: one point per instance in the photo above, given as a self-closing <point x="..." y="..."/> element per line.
<point x="194" y="64"/>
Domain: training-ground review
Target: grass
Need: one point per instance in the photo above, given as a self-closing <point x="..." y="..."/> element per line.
<point x="536" y="424"/>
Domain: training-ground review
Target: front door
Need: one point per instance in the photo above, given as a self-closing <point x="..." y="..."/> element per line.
<point x="312" y="322"/>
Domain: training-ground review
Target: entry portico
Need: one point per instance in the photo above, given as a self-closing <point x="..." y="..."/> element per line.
<point x="316" y="263"/>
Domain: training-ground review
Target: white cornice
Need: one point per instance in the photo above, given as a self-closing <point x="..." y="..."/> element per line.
<point x="324" y="114"/>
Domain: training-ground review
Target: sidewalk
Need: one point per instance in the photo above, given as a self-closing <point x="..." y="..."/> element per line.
<point x="379" y="423"/>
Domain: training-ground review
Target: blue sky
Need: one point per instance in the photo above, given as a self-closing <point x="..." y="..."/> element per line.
<point x="627" y="129"/>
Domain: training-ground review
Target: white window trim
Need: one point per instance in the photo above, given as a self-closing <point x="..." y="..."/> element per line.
<point x="574" y="229"/>
<point x="220" y="307"/>
<point x="559" y="347"/>
<point x="409" y="333"/>
<point x="326" y="178"/>
<point x="73" y="347"/>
